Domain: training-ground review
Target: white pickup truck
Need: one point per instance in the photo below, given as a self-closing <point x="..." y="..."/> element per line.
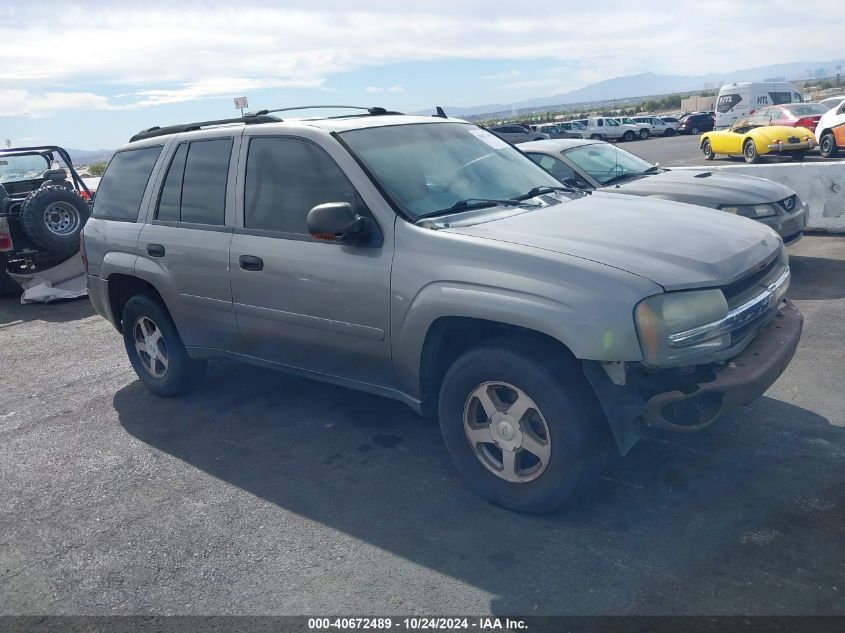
<point x="602" y="128"/>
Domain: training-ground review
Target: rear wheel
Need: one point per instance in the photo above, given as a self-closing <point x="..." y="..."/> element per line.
<point x="695" y="130"/>
<point x="155" y="349"/>
<point x="707" y="150"/>
<point x="53" y="217"/>
<point x="749" y="152"/>
<point x="827" y="145"/>
<point x="523" y="431"/>
<point x="669" y="132"/>
<point x="644" y="134"/>
<point x="628" y="136"/>
<point x="596" y="137"/>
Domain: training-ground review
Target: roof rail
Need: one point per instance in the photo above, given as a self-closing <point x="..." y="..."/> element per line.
<point x="373" y="110"/>
<point x="198" y="125"/>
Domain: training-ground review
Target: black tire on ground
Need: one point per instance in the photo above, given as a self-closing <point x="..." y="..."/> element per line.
<point x="577" y="430"/>
<point x="799" y="155"/>
<point x="628" y="136"/>
<point x="8" y="286"/>
<point x="596" y="137"/>
<point x="749" y="152"/>
<point x="827" y="145"/>
<point x="695" y="130"/>
<point x="707" y="150"/>
<point x="177" y="372"/>
<point x="644" y="134"/>
<point x="668" y="132"/>
<point x="53" y="216"/>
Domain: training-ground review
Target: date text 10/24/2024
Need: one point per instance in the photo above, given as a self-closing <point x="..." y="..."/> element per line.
<point x="419" y="623"/>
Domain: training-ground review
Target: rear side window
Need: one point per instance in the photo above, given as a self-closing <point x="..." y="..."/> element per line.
<point x="194" y="188"/>
<point x="124" y="182"/>
<point x="285" y="179"/>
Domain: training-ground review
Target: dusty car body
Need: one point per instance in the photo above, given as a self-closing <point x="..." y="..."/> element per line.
<point x="426" y="260"/>
<point x="598" y="165"/>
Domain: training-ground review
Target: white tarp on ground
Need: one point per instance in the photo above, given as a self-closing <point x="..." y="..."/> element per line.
<point x="65" y="281"/>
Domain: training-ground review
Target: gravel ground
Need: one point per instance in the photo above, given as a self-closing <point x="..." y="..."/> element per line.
<point x="267" y="494"/>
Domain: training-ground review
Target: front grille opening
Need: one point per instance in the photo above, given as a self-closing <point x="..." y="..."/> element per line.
<point x="748" y="287"/>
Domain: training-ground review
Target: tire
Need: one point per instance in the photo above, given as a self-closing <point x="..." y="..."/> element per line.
<point x="827" y="145"/>
<point x="53" y="216"/>
<point x="174" y="373"/>
<point x="596" y="137"/>
<point x="799" y="155"/>
<point x="749" y="152"/>
<point x="8" y="286"/>
<point x="695" y="130"/>
<point x="644" y="134"/>
<point x="563" y="409"/>
<point x="628" y="136"/>
<point x="669" y="132"/>
<point x="707" y="150"/>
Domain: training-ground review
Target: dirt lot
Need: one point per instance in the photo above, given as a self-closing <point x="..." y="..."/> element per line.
<point x="264" y="493"/>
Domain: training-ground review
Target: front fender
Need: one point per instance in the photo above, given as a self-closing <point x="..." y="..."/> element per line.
<point x="585" y="333"/>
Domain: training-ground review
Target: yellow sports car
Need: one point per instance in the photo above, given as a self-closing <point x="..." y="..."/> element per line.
<point x="752" y="139"/>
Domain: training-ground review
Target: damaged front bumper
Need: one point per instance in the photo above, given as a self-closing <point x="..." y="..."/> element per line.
<point x="689" y="399"/>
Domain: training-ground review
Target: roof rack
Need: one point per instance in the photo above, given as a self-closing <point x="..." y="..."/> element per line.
<point x="373" y="110"/>
<point x="198" y="125"/>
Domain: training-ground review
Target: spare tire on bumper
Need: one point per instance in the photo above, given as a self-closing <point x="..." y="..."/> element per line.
<point x="53" y="217"/>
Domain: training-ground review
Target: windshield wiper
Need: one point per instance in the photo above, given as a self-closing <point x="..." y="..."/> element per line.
<point x="621" y="177"/>
<point x="470" y="203"/>
<point x="536" y="191"/>
<point x="651" y="170"/>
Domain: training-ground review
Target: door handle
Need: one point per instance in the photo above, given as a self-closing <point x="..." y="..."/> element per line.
<point x="251" y="262"/>
<point x="155" y="250"/>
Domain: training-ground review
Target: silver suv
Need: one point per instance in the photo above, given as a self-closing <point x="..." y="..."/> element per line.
<point x="425" y="259"/>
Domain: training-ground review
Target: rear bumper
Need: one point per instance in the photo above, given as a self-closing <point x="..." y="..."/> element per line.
<point x="690" y="401"/>
<point x="779" y="148"/>
<point x="98" y="292"/>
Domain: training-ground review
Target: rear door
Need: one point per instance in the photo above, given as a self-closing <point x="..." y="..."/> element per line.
<point x="308" y="304"/>
<point x="185" y="245"/>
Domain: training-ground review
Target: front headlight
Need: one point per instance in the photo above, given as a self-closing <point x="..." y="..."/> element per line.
<point x="659" y="316"/>
<point x="754" y="211"/>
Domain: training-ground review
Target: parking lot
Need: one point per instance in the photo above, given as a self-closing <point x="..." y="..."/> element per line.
<point x="262" y="493"/>
<point x="683" y="151"/>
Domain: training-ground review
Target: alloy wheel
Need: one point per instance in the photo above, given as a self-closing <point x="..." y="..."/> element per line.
<point x="150" y="346"/>
<point x="507" y="432"/>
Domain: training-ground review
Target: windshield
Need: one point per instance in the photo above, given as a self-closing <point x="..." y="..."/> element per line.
<point x="605" y="162"/>
<point x="15" y="168"/>
<point x="805" y="109"/>
<point x="426" y="167"/>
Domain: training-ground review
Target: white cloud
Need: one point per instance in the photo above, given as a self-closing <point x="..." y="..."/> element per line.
<point x="393" y="88"/>
<point x="164" y="52"/>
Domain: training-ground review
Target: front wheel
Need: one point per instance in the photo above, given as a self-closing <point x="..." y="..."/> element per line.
<point x="644" y="134"/>
<point x="596" y="137"/>
<point x="628" y="136"/>
<point x="523" y="431"/>
<point x="749" y="151"/>
<point x="827" y="145"/>
<point x="695" y="130"/>
<point x="669" y="132"/>
<point x="707" y="150"/>
<point x="155" y="349"/>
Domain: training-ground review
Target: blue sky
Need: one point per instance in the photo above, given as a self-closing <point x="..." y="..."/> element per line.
<point x="95" y="73"/>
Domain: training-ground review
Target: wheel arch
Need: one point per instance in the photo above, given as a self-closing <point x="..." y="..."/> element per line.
<point x="121" y="288"/>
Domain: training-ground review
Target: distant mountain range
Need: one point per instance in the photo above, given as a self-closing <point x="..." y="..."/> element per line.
<point x="651" y="84"/>
<point x="82" y="157"/>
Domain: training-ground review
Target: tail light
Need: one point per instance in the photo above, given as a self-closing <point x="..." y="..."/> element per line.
<point x="807" y="122"/>
<point x="5" y="237"/>
<point x="82" y="252"/>
<point x="85" y="195"/>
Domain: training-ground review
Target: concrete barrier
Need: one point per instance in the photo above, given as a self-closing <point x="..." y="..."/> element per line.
<point x="820" y="185"/>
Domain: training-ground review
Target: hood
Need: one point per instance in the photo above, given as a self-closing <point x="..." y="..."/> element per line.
<point x="696" y="187"/>
<point x="672" y="244"/>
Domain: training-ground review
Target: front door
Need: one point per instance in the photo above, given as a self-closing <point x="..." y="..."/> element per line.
<point x="308" y="304"/>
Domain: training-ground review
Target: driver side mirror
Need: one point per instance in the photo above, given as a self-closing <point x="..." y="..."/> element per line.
<point x="336" y="221"/>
